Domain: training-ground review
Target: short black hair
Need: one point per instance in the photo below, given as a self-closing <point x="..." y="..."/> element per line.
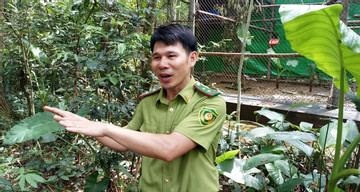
<point x="173" y="33"/>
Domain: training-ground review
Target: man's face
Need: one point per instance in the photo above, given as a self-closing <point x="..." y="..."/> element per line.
<point x="172" y="65"/>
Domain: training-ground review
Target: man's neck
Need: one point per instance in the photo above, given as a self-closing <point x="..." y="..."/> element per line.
<point x="171" y="93"/>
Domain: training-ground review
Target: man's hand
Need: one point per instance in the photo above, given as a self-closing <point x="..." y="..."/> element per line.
<point x="77" y="124"/>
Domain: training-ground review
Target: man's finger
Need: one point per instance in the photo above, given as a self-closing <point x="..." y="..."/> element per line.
<point x="66" y="124"/>
<point x="57" y="118"/>
<point x="55" y="111"/>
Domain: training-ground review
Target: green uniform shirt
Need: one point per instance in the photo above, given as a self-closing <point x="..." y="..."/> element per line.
<point x="197" y="113"/>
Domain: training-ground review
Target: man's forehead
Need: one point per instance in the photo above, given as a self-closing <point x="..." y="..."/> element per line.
<point x="168" y="48"/>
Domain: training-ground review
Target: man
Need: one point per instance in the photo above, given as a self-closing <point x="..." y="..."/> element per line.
<point x="176" y="129"/>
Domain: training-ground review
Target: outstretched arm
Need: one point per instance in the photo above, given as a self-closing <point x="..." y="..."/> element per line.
<point x="66" y="118"/>
<point x="160" y="146"/>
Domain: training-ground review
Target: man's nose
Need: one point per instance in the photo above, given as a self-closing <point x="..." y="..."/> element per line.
<point x="163" y="63"/>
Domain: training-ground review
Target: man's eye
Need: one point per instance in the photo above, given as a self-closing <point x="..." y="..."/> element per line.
<point x="172" y="56"/>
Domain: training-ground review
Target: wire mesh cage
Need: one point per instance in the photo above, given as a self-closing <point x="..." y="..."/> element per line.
<point x="271" y="68"/>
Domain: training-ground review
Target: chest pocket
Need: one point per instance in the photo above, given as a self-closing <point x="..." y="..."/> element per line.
<point x="149" y="128"/>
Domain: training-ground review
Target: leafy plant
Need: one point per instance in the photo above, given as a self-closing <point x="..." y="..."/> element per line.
<point x="31" y="177"/>
<point x="78" y="54"/>
<point x="279" y="155"/>
<point x="339" y="51"/>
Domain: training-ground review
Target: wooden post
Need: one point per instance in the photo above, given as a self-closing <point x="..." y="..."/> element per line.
<point x="270" y="37"/>
<point x="192" y="20"/>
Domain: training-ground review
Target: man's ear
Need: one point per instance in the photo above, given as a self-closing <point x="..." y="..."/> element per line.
<point x="193" y="57"/>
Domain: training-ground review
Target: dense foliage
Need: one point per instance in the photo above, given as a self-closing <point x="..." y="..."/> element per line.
<point x="73" y="55"/>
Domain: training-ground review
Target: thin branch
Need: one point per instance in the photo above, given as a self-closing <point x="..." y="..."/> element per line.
<point x="86" y="20"/>
<point x="12" y="28"/>
<point x="185" y="2"/>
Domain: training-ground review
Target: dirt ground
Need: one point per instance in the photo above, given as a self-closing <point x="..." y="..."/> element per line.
<point x="287" y="91"/>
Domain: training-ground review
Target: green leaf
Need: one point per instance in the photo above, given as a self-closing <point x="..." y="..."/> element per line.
<point x="241" y="32"/>
<point x="22" y="183"/>
<point x="273" y="149"/>
<point x="352" y="180"/>
<point x="355" y="100"/>
<point x="32" y="127"/>
<point x="296" y="139"/>
<point x="353" y="130"/>
<point x="94" y="65"/>
<point x="293" y="135"/>
<point x="91" y="184"/>
<point x="302" y="103"/>
<point x="233" y="169"/>
<point x="38" y="54"/>
<point x="35" y="126"/>
<point x="121" y="48"/>
<point x="48" y="137"/>
<point x="63" y="177"/>
<point x="227" y="155"/>
<point x="286" y="168"/>
<point x="21" y="171"/>
<point x="271" y="114"/>
<point x="100" y="80"/>
<point x="328" y="134"/>
<point x="5" y="184"/>
<point x="52" y="178"/>
<point x="37" y="178"/>
<point x="304" y="126"/>
<point x="317" y="33"/>
<point x="261" y="131"/>
<point x="261" y="159"/>
<point x="113" y="80"/>
<point x="289" y="185"/>
<point x="29" y="178"/>
<point x="275" y="173"/>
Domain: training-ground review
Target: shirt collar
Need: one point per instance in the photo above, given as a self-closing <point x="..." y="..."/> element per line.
<point x="186" y="93"/>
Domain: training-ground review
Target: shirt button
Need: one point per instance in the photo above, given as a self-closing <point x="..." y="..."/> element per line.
<point x="166" y="181"/>
<point x="171" y="109"/>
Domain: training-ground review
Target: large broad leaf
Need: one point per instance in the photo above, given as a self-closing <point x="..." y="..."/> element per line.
<point x="317" y="33"/>
<point x="32" y="127"/>
<point x="285" y="167"/>
<point x="289" y="185"/>
<point x="275" y="173"/>
<point x="261" y="131"/>
<point x="273" y="116"/>
<point x="328" y="134"/>
<point x="296" y="139"/>
<point x="355" y="100"/>
<point x="261" y="159"/>
<point x="233" y="169"/>
<point x="35" y="126"/>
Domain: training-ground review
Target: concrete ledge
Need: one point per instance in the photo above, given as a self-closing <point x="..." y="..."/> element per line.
<point x="311" y="113"/>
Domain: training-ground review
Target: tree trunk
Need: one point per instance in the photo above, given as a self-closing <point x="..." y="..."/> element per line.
<point x="5" y="110"/>
<point x="1" y="45"/>
<point x="148" y="29"/>
<point x="169" y="14"/>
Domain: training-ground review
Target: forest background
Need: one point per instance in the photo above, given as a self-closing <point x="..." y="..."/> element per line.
<point x="92" y="57"/>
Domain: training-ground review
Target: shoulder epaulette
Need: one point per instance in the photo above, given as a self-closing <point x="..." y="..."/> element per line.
<point x="147" y="93"/>
<point x="206" y="90"/>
